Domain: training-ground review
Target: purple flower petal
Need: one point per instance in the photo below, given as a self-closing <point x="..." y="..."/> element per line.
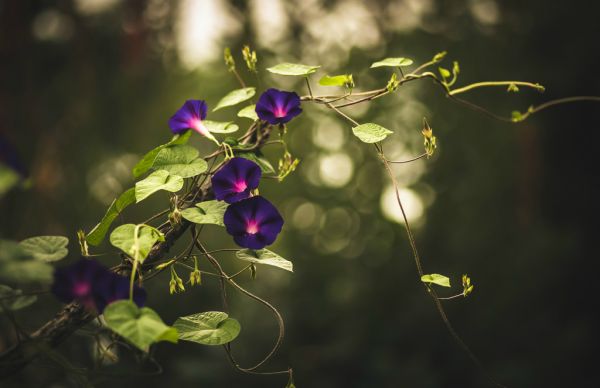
<point x="93" y="285"/>
<point x="254" y="222"/>
<point x="277" y="106"/>
<point x="113" y="287"/>
<point x="235" y="180"/>
<point x="190" y="116"/>
<point x="76" y="282"/>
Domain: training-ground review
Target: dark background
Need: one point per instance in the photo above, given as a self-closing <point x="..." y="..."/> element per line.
<point x="85" y="91"/>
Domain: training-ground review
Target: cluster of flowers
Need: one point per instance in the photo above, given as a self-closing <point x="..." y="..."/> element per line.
<point x="252" y="220"/>
<point x="93" y="285"/>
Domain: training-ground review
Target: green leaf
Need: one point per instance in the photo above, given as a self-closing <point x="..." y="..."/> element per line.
<point x="96" y="235"/>
<point x="140" y="326"/>
<point x="180" y="160"/>
<point x="235" y="97"/>
<point x="8" y="179"/>
<point x="146" y="162"/>
<point x="265" y="256"/>
<point x="293" y="69"/>
<point x="393" y="62"/>
<point x="220" y="127"/>
<point x="371" y="133"/>
<point x="345" y="80"/>
<point x="19" y="266"/>
<point x="158" y="180"/>
<point x="46" y="248"/>
<point x="209" y="328"/>
<point x="124" y="237"/>
<point x="264" y="164"/>
<point x="207" y="212"/>
<point x="435" y="278"/>
<point x="512" y="88"/>
<point x="249" y="112"/>
<point x="12" y="299"/>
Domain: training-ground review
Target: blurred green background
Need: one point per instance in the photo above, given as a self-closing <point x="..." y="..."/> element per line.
<point x="87" y="87"/>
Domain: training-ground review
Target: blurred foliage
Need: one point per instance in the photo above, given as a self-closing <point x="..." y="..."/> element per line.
<point x="85" y="92"/>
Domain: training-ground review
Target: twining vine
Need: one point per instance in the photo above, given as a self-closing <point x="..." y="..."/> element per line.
<point x="220" y="189"/>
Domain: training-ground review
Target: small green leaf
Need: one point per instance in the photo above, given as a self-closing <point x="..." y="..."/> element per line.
<point x="209" y="328"/>
<point x="220" y="127"/>
<point x="46" y="248"/>
<point x="138" y="247"/>
<point x="435" y="278"/>
<point x="140" y="326"/>
<point x="445" y="73"/>
<point x="371" y="133"/>
<point x="293" y="69"/>
<point x="235" y="97"/>
<point x="158" y="180"/>
<point x="265" y="256"/>
<point x="12" y="299"/>
<point x="146" y="162"/>
<point x="180" y="160"/>
<point x="393" y="62"/>
<point x="96" y="235"/>
<point x="207" y="212"/>
<point x="249" y="112"/>
<point x="19" y="266"/>
<point x="263" y="163"/>
<point x="345" y="80"/>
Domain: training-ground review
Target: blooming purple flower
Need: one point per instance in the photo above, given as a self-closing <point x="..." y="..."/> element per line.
<point x="76" y="282"/>
<point x="254" y="222"/>
<point x="190" y="116"/>
<point x="277" y="106"/>
<point x="115" y="287"/>
<point x="234" y="181"/>
<point x="92" y="285"/>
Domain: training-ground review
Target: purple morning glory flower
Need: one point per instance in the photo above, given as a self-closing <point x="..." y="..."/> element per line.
<point x="116" y="287"/>
<point x="77" y="282"/>
<point x="92" y="285"/>
<point x="234" y="181"/>
<point x="190" y="116"/>
<point x="277" y="106"/>
<point x="254" y="222"/>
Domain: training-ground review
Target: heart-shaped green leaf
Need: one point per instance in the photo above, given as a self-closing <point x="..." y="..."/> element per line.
<point x="393" y="62"/>
<point x="137" y="246"/>
<point x="220" y="127"/>
<point x="180" y="160"/>
<point x="207" y="212"/>
<point x="293" y="69"/>
<point x="140" y="326"/>
<point x="13" y="299"/>
<point x="337" y="80"/>
<point x="435" y="278"/>
<point x="19" y="266"/>
<point x="266" y="257"/>
<point x="371" y="133"/>
<point x="146" y="162"/>
<point x="249" y="112"/>
<point x="235" y="97"/>
<point x="96" y="235"/>
<point x="46" y="248"/>
<point x="210" y="328"/>
<point x="158" y="180"/>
